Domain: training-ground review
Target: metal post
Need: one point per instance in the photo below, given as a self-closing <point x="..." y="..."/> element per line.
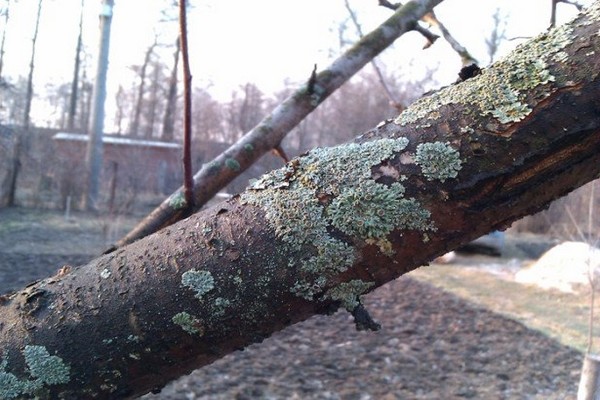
<point x="94" y="148"/>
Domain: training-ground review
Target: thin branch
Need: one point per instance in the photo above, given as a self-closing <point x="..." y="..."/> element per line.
<point x="553" y="9"/>
<point x="188" y="181"/>
<point x="573" y="3"/>
<point x="432" y="20"/>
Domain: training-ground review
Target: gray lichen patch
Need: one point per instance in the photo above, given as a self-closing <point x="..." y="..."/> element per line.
<point x="44" y="369"/>
<point x="49" y="370"/>
<point x="348" y="293"/>
<point x="438" y="160"/>
<point x="329" y="190"/>
<point x="500" y="91"/>
<point x="201" y="282"/>
<point x="233" y="164"/>
<point x="372" y="210"/>
<point x="177" y="201"/>
<point x="188" y="323"/>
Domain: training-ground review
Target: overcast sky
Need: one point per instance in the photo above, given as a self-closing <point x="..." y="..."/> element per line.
<point x="266" y="42"/>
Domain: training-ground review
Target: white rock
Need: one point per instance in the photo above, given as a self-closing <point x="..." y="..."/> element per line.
<point x="563" y="267"/>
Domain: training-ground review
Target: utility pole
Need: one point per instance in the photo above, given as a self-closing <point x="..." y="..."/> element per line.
<point x="94" y="148"/>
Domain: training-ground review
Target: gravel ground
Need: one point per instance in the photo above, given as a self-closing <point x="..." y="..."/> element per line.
<point x="432" y="345"/>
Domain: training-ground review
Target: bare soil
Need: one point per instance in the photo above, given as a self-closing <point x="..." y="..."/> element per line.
<point x="433" y="344"/>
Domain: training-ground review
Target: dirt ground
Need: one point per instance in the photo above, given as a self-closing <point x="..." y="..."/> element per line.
<point x="433" y="344"/>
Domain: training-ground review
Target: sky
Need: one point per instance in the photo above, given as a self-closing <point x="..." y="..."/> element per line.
<point x="267" y="42"/>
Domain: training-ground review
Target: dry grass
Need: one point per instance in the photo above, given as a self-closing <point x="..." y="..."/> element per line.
<point x="562" y="316"/>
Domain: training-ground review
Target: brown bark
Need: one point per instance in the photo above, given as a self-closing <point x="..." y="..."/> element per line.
<point x="330" y="226"/>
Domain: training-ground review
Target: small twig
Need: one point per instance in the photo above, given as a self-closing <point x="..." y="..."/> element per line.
<point x="310" y="85"/>
<point x="279" y="152"/>
<point x="188" y="182"/>
<point x="363" y="320"/>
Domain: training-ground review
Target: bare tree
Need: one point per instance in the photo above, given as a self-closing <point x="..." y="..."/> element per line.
<point x="137" y="109"/>
<point x="155" y="101"/>
<point x="168" y="126"/>
<point x="29" y="97"/>
<point x="4" y="12"/>
<point x="497" y="35"/>
<point x="75" y="80"/>
<point x="22" y="136"/>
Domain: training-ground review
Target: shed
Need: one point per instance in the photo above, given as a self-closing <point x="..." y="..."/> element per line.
<point x="146" y="165"/>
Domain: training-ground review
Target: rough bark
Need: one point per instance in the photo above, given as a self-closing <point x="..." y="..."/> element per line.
<point x="269" y="133"/>
<point x="315" y="235"/>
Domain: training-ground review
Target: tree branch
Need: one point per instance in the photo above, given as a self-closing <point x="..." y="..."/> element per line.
<point x="188" y="182"/>
<point x="431" y="19"/>
<point x="318" y="233"/>
<point x="271" y="130"/>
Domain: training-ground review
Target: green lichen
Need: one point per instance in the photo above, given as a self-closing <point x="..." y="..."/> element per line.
<point x="177" y="201"/>
<point x="248" y="147"/>
<point x="333" y="256"/>
<point x="372" y="210"/>
<point x="357" y="206"/>
<point x="187" y="322"/>
<point x="10" y="386"/>
<point x="501" y="90"/>
<point x="49" y="370"/>
<point x="220" y="306"/>
<point x="348" y="293"/>
<point x="233" y="164"/>
<point x="45" y="369"/>
<point x="201" y="282"/>
<point x="438" y="160"/>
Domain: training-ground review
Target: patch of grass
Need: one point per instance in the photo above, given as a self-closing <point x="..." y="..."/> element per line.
<point x="562" y="316"/>
<point x="30" y="231"/>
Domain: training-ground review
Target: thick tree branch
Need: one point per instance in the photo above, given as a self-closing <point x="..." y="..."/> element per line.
<point x="270" y="131"/>
<point x="315" y="235"/>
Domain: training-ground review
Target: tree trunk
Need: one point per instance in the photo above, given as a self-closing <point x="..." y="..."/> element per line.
<point x="29" y="96"/>
<point x="137" y="111"/>
<point x="318" y="233"/>
<point x="589" y="383"/>
<point x="75" y="82"/>
<point x="6" y="13"/>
